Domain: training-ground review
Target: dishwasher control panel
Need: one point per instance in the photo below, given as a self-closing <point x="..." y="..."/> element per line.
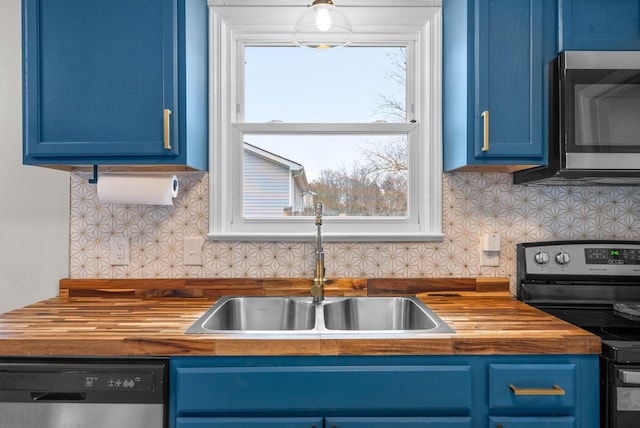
<point x="83" y="382"/>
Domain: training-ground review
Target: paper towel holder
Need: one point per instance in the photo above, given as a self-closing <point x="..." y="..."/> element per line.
<point x="94" y="180"/>
<point x="146" y="189"/>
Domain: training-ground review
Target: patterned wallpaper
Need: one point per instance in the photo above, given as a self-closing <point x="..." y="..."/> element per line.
<point x="473" y="204"/>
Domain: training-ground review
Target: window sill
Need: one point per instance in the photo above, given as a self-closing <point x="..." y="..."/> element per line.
<point x="327" y="237"/>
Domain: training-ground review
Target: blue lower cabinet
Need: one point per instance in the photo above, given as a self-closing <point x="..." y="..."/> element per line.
<point x="535" y="388"/>
<point x="460" y="391"/>
<point x="535" y="422"/>
<point x="364" y="422"/>
<point x="249" y="423"/>
<point x="305" y="388"/>
<point x="398" y="422"/>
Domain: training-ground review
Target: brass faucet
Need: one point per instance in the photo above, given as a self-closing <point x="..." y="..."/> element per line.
<point x="319" y="280"/>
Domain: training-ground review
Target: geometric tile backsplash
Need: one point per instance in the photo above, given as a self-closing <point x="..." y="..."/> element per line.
<point x="473" y="204"/>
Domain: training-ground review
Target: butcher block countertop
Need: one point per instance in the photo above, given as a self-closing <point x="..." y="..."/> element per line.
<point x="149" y="317"/>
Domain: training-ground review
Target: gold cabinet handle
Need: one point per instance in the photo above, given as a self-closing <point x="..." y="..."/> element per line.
<point x="555" y="390"/>
<point x="167" y="129"/>
<point x="485" y="118"/>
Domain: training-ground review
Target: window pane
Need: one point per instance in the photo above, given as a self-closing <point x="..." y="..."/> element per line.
<point x="353" y="175"/>
<point x="348" y="85"/>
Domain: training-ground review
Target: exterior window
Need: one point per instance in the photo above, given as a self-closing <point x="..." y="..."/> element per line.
<point x="352" y="175"/>
<point x="356" y="128"/>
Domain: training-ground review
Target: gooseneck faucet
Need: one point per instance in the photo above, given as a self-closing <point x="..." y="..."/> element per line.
<point x="319" y="280"/>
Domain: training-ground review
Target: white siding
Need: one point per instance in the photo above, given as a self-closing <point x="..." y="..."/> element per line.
<point x="266" y="187"/>
<point x="298" y="200"/>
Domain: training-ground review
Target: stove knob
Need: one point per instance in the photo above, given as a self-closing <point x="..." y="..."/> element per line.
<point x="562" y="258"/>
<point x="541" y="258"/>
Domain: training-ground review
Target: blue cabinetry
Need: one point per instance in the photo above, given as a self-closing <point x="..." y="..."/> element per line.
<point x="239" y="422"/>
<point x="363" y="422"/>
<point x="397" y="391"/>
<point x="599" y="25"/>
<point x="115" y="82"/>
<point x="532" y="388"/>
<point x="495" y="56"/>
<point x="536" y="422"/>
<point x="407" y="422"/>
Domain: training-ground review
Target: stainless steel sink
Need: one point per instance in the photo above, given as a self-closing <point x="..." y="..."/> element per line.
<point x="349" y="316"/>
<point x="378" y="313"/>
<point x="257" y="314"/>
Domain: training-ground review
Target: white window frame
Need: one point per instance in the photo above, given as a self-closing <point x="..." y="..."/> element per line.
<point x="233" y="27"/>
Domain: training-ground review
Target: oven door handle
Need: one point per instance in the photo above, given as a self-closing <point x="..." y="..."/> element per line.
<point x="629" y="376"/>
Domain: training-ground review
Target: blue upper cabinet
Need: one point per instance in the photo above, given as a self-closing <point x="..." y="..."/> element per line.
<point x="495" y="56"/>
<point x="115" y="82"/>
<point x="599" y="25"/>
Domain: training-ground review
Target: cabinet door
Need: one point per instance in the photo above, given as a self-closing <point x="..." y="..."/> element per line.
<point x="249" y="423"/>
<point x="548" y="389"/>
<point x="537" y="422"/>
<point x="599" y="25"/>
<point x="273" y="388"/>
<point x="98" y="76"/>
<point x="408" y="422"/>
<point x="495" y="63"/>
<point x="510" y="75"/>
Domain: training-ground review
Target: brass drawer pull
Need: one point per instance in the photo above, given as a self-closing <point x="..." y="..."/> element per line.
<point x="485" y="117"/>
<point x="555" y="390"/>
<point x="167" y="129"/>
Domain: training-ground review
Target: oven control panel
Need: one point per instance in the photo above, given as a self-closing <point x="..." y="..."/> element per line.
<point x="612" y="256"/>
<point x="607" y="258"/>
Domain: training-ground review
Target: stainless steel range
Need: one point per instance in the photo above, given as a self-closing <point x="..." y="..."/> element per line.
<point x="594" y="285"/>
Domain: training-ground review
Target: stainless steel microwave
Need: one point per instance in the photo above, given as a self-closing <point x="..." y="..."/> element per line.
<point x="594" y="120"/>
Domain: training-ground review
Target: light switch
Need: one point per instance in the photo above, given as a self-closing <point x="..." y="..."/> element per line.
<point x="193" y="251"/>
<point x="491" y="242"/>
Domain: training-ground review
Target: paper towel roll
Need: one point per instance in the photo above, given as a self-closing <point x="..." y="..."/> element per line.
<point x="137" y="189"/>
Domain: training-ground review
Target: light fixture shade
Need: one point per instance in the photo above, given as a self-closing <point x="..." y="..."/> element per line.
<point x="323" y="26"/>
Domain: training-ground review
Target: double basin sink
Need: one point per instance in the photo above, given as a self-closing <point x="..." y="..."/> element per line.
<point x="404" y="316"/>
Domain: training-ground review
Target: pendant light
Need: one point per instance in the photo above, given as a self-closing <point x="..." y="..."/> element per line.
<point x="323" y="26"/>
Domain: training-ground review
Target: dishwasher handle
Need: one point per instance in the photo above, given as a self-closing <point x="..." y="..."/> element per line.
<point x="58" y="396"/>
<point x="631" y="377"/>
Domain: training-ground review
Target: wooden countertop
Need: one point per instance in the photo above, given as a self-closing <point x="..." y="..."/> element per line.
<point x="484" y="323"/>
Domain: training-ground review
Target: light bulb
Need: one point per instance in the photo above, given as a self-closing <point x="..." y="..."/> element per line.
<point x="323" y="20"/>
<point x="322" y="26"/>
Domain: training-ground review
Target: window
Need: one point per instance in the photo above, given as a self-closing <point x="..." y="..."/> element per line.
<point x="357" y="128"/>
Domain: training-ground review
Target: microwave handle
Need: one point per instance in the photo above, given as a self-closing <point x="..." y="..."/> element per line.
<point x="485" y="121"/>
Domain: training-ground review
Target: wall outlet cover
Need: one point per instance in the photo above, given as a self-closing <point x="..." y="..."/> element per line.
<point x="193" y="251"/>
<point x="119" y="251"/>
<point x="489" y="258"/>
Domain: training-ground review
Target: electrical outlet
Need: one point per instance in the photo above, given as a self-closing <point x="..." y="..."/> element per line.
<point x="489" y="258"/>
<point x="192" y="251"/>
<point x="490" y="249"/>
<point x="119" y="251"/>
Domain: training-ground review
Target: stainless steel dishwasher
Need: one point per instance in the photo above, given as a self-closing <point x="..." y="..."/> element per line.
<point x="82" y="393"/>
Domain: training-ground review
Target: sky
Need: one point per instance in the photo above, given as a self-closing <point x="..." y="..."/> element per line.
<point x="300" y="85"/>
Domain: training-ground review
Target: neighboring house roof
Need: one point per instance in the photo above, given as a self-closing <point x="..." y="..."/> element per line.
<point x="297" y="169"/>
